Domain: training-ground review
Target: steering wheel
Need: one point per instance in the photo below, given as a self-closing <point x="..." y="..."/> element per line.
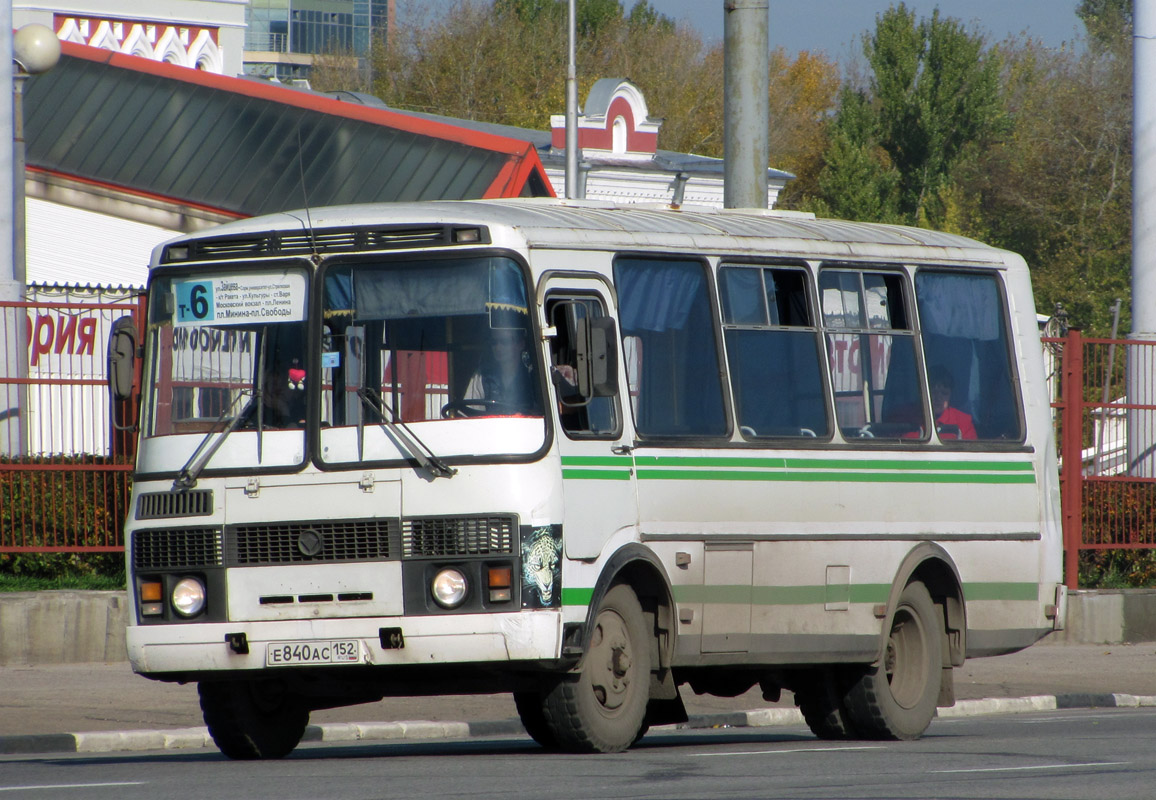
<point x="477" y="407"/>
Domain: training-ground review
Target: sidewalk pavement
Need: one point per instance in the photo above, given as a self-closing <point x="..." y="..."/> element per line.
<point x="105" y="707"/>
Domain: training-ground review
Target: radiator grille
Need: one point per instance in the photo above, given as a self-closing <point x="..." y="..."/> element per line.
<point x="176" y="548"/>
<point x="167" y="505"/>
<point x="311" y="542"/>
<point x="457" y="536"/>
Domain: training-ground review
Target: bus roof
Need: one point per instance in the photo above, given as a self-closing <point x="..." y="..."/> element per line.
<point x="554" y="223"/>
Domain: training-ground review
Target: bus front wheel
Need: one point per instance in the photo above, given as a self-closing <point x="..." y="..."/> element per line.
<point x="529" y="705"/>
<point x="602" y="708"/>
<point x="896" y="698"/>
<point x="821" y="701"/>
<point x="252" y="719"/>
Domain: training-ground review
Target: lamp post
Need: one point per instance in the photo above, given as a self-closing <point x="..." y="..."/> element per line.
<point x="33" y="49"/>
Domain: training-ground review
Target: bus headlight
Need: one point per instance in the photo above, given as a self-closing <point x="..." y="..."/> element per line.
<point x="449" y="588"/>
<point x="188" y="597"/>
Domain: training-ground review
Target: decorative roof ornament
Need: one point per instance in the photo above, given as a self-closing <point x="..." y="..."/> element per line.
<point x="613" y="122"/>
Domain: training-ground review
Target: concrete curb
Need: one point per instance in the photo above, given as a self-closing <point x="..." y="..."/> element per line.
<point x="419" y="730"/>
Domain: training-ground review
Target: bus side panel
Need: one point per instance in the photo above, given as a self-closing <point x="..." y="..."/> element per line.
<point x="823" y="544"/>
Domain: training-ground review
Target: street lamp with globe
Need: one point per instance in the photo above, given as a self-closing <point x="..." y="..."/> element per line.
<point x="34" y="49"/>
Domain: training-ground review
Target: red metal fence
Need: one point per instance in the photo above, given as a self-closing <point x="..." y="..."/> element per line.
<point x="66" y="483"/>
<point x="1106" y="431"/>
<point x="65" y="471"/>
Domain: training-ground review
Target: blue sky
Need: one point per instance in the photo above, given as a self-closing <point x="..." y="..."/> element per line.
<point x="834" y="26"/>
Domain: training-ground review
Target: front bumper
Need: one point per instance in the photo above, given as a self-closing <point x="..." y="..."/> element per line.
<point x="197" y="648"/>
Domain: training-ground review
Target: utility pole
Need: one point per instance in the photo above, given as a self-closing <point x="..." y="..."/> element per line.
<point x="32" y="50"/>
<point x="11" y="290"/>
<point x="746" y="103"/>
<point x="572" y="190"/>
<point x="1142" y="360"/>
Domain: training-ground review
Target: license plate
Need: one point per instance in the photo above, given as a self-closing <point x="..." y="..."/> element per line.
<point x="287" y="654"/>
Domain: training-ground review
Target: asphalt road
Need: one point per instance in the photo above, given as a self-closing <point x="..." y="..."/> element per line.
<point x="1096" y="753"/>
<point x="62" y="698"/>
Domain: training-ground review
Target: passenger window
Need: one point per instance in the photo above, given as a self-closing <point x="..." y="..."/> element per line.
<point x="773" y="348"/>
<point x="969" y="365"/>
<point x="669" y="347"/>
<point x="871" y="348"/>
<point x="579" y="416"/>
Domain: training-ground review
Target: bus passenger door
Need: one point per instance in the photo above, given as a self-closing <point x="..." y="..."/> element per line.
<point x="597" y="470"/>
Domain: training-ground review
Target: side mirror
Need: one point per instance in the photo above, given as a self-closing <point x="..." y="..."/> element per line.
<point x="122" y="358"/>
<point x="597" y="355"/>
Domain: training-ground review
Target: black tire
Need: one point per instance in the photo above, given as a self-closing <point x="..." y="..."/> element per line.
<point x="529" y="705"/>
<point x="252" y="719"/>
<point x="602" y="708"/>
<point x="642" y="731"/>
<point x="896" y="698"/>
<point x="821" y="701"/>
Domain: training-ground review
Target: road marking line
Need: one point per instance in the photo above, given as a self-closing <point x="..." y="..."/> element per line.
<point x="1025" y="769"/>
<point x="49" y="786"/>
<point x="1074" y="717"/>
<point x="785" y="752"/>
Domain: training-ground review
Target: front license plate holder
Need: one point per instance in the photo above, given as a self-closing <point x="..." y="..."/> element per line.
<point x="312" y="653"/>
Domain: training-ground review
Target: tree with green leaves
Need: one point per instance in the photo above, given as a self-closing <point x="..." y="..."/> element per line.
<point x="857" y="180"/>
<point x="933" y="93"/>
<point x="506" y="64"/>
<point x="1108" y="23"/>
<point x="1056" y="187"/>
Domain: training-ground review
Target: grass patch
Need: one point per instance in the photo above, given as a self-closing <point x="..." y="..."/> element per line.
<point x="25" y="583"/>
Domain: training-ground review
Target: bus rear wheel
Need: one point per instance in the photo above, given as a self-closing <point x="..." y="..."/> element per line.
<point x="896" y="698"/>
<point x="602" y="708"/>
<point x="252" y="719"/>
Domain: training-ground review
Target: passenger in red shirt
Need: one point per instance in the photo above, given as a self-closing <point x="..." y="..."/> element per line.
<point x="948" y="420"/>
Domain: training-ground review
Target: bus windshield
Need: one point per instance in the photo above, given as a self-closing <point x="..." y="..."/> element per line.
<point x="220" y="341"/>
<point x="226" y="354"/>
<point x="434" y="340"/>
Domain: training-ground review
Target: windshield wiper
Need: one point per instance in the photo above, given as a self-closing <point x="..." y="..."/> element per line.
<point x="410" y="440"/>
<point x="187" y="476"/>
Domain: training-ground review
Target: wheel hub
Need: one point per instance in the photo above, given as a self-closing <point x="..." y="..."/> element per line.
<point x="610" y="655"/>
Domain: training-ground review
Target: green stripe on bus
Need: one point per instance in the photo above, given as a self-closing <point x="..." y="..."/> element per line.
<point x="577" y="597"/>
<point x="993" y="466"/>
<point x="709" y="461"/>
<point x="832" y="463"/>
<point x="1000" y="591"/>
<point x="597" y="461"/>
<point x="737" y="594"/>
<point x="595" y="474"/>
<point x="830" y="477"/>
<point x="860" y="593"/>
<point x="778" y="595"/>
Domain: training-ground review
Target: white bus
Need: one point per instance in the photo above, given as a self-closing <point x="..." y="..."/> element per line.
<point x="590" y="455"/>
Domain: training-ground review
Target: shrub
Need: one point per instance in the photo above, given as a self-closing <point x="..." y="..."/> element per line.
<point x="28" y="572"/>
<point x="62" y="502"/>
<point x="1117" y="569"/>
